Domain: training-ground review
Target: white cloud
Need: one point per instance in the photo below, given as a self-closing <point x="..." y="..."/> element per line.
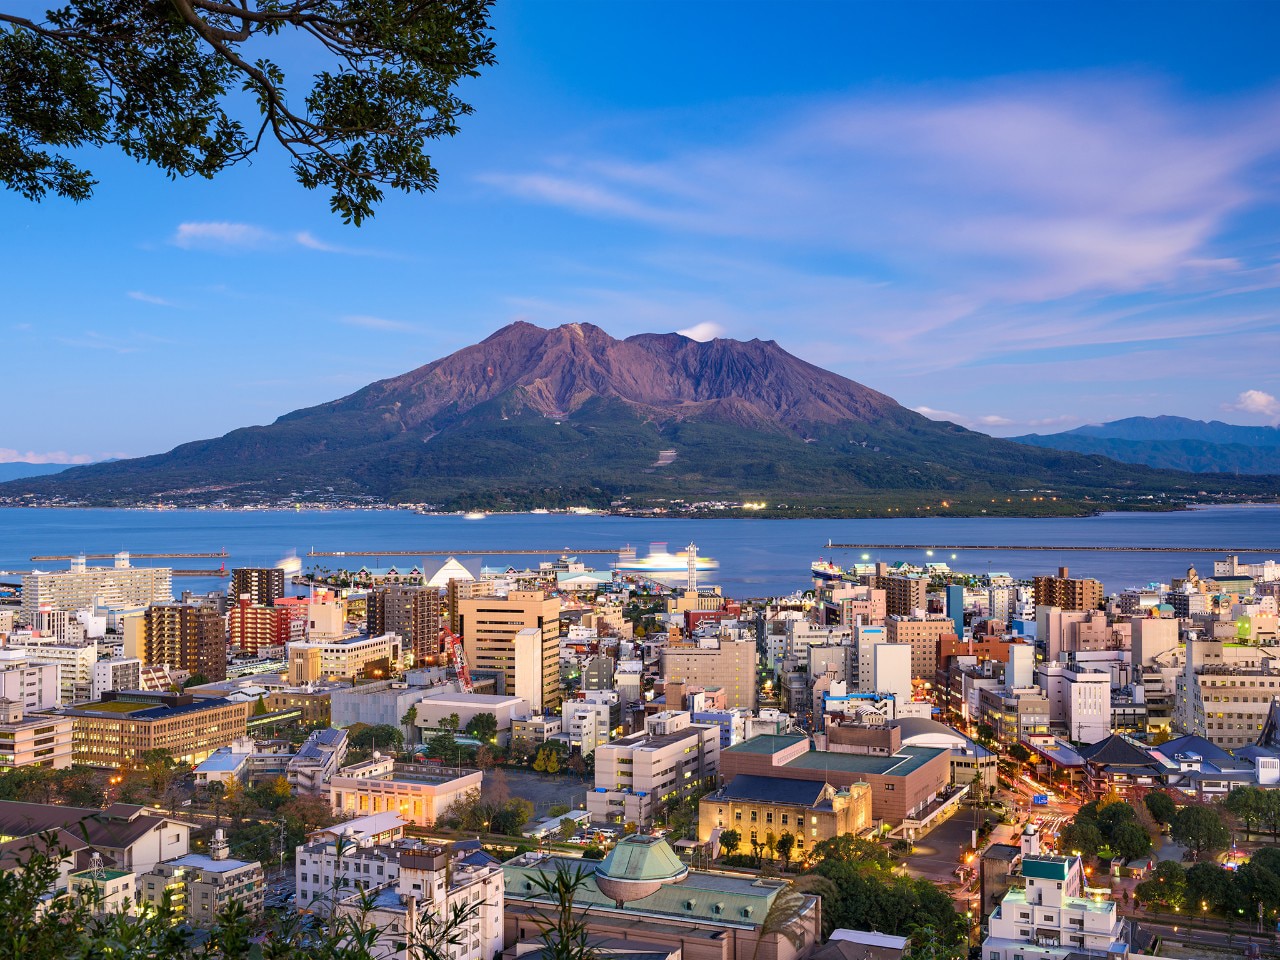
<point x="222" y="236"/>
<point x="8" y="455"/>
<point x="995" y="423"/>
<point x="1258" y="403"/>
<point x="151" y="299"/>
<point x="703" y="331"/>
<point x="376" y="323"/>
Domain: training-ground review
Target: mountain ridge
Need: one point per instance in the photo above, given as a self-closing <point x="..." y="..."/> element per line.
<point x="570" y="415"/>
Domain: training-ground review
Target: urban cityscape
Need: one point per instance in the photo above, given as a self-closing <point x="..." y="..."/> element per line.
<point x="716" y="480"/>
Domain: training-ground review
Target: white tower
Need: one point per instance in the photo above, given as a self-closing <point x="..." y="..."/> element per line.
<point x="692" y="553"/>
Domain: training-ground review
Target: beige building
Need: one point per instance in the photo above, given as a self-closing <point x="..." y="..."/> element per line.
<point x="757" y="807"/>
<point x="181" y="636"/>
<point x="76" y="660"/>
<point x="418" y="793"/>
<point x="26" y="680"/>
<point x="80" y="587"/>
<point x="730" y="665"/>
<point x="637" y="775"/>
<point x="1225" y="691"/>
<point x="1067" y="593"/>
<point x="903" y="595"/>
<point x="202" y="886"/>
<point x="343" y="658"/>
<point x="923" y="634"/>
<point x="33" y="740"/>
<point x="491" y="627"/>
<point x="123" y="725"/>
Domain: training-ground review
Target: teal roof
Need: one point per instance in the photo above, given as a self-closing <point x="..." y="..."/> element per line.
<point x="767" y="743"/>
<point x="1046" y="868"/>
<point x="906" y="760"/>
<point x="641" y="858"/>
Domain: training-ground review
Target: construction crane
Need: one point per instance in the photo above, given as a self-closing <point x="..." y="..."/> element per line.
<point x="458" y="657"/>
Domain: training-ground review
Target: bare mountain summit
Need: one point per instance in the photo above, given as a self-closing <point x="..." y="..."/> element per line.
<point x="534" y="417"/>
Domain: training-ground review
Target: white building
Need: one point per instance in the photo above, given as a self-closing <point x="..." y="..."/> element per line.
<point x="891" y="671"/>
<point x="117" y="673"/>
<point x="317" y="760"/>
<point x="587" y="721"/>
<point x="25" y="681"/>
<point x="1079" y="700"/>
<point x="83" y="587"/>
<point x="76" y="660"/>
<point x="1055" y="916"/>
<point x="352" y="855"/>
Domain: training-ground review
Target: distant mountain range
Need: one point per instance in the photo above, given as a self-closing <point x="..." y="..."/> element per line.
<point x="1174" y="443"/>
<point x="16" y="471"/>
<point x="571" y="416"/>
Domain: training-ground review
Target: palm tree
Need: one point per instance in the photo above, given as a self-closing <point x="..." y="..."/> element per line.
<point x="783" y="918"/>
<point x="408" y="721"/>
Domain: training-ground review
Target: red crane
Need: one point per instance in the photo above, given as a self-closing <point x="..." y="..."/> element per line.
<point x="458" y="658"/>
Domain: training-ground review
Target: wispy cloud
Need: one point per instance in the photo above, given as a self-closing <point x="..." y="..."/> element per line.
<point x="223" y="236"/>
<point x="142" y="297"/>
<point x="1258" y="403"/>
<point x="995" y="423"/>
<point x="376" y="323"/>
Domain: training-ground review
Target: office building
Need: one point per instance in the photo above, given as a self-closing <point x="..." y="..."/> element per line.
<point x="810" y="811"/>
<point x="1065" y="592"/>
<point x="489" y="627"/>
<point x="923" y="634"/>
<point x="728" y="664"/>
<point x="419" y="793"/>
<point x="355" y="657"/>
<point x="1225" y="691"/>
<point x="594" y="718"/>
<point x="414" y="614"/>
<point x="116" y="730"/>
<point x="637" y="775"/>
<point x="262" y="585"/>
<point x="1079" y="699"/>
<point x="180" y="636"/>
<point x="33" y="739"/>
<point x="82" y="587"/>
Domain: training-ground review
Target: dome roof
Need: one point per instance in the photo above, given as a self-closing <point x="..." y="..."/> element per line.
<point x="638" y="867"/>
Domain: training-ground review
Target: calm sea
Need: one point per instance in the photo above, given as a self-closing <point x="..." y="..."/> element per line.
<point x="757" y="557"/>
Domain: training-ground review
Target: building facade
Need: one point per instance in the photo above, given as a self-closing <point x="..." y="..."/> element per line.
<point x="116" y="730"/>
<point x="82" y="586"/>
<point x="489" y="627"/>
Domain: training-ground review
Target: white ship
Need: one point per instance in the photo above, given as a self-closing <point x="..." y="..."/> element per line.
<point x="661" y="562"/>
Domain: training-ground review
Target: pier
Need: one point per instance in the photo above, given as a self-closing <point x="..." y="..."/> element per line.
<point x="554" y="551"/>
<point x="1084" y="548"/>
<point x="135" y="556"/>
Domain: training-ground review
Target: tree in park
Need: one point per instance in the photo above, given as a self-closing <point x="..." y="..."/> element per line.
<point x="1200" y="829"/>
<point x="547" y="761"/>
<point x="1167" y="887"/>
<point x="578" y="766"/>
<point x="167" y="83"/>
<point x="1082" y="836"/>
<point x="1161" y="806"/>
<point x="730" y="840"/>
<point x="1129" y="841"/>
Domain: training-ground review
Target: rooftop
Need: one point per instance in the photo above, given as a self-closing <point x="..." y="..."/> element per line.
<point x="200" y="861"/>
<point x="770" y="790"/>
<point x="905" y="761"/>
<point x="767" y="743"/>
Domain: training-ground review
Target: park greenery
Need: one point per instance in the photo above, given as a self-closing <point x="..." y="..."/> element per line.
<point x="1249" y="893"/>
<point x="194" y="87"/>
<point x="1107" y="828"/>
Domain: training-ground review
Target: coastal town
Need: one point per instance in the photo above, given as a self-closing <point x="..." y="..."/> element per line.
<point x="899" y="759"/>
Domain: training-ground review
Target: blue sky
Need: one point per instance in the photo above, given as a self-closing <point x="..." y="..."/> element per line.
<point x="1020" y="217"/>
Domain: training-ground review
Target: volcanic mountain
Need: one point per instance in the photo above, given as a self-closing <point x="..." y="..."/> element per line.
<point x="568" y="416"/>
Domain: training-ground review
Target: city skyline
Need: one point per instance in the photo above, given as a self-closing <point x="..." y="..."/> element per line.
<point x="1018" y="218"/>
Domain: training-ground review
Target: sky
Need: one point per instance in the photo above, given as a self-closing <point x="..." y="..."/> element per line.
<point x="1019" y="217"/>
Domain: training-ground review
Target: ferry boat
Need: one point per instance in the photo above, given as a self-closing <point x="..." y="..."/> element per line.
<point x="826" y="570"/>
<point x="291" y="565"/>
<point x="661" y="561"/>
<point x="474" y="515"/>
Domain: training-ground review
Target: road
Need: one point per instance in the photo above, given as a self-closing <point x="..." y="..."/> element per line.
<point x="1190" y="937"/>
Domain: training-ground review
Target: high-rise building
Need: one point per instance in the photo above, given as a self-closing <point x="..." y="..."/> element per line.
<point x="489" y="626"/>
<point x="923" y="634"/>
<point x="673" y="759"/>
<point x="904" y="595"/>
<point x="1067" y="593"/>
<point x="413" y="614"/>
<point x="182" y="637"/>
<point x="82" y="586"/>
<point x="264" y="585"/>
<point x="731" y="665"/>
<point x="252" y="626"/>
<point x="457" y="590"/>
<point x="955" y="607"/>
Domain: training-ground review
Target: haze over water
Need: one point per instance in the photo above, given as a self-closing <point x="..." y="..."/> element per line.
<point x="757" y="557"/>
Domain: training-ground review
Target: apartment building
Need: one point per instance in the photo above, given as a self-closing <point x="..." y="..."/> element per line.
<point x="1015" y="713"/>
<point x="252" y="627"/>
<point x="26" y="680"/>
<point x="924" y="635"/>
<point x="592" y="719"/>
<point x="1052" y="916"/>
<point x="112" y="732"/>
<point x="75" y="660"/>
<point x="461" y="588"/>
<point x="262" y="585"/>
<point x="115" y="673"/>
<point x="201" y="886"/>
<point x="1079" y="699"/>
<point x="414" y="614"/>
<point x="317" y="760"/>
<point x="356" y="657"/>
<point x="180" y="636"/>
<point x="419" y="793"/>
<point x="1225" y="691"/>
<point x="33" y="739"/>
<point x="904" y="595"/>
<point x="728" y="664"/>
<point x="672" y="759"/>
<point x="491" y="629"/>
<point x="352" y="855"/>
<point x="1065" y="592"/>
<point x="82" y="587"/>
